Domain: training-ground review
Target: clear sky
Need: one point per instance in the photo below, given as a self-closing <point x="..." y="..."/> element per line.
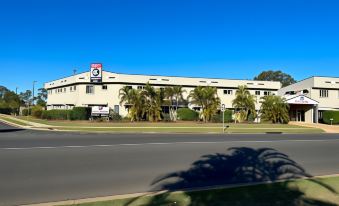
<point x="45" y="40"/>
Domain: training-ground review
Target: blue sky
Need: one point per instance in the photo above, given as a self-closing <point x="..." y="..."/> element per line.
<point x="46" y="40"/>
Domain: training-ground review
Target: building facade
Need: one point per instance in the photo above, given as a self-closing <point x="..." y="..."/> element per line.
<point x="310" y="97"/>
<point x="80" y="90"/>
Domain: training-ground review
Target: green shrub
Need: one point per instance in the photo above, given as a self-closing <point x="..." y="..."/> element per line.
<point x="187" y="114"/>
<point x="251" y="117"/>
<point x="328" y="115"/>
<point x="36" y="111"/>
<point x="115" y="117"/>
<point x="217" y="118"/>
<point x="25" y="112"/>
<point x="5" y="110"/>
<point x="80" y="113"/>
<point x="166" y="117"/>
<point x="57" y="114"/>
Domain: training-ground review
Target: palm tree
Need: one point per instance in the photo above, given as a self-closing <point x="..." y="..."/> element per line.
<point x="178" y="96"/>
<point x="275" y="109"/>
<point x="244" y="102"/>
<point x="207" y="99"/>
<point x="169" y="94"/>
<point x="135" y="100"/>
<point x="154" y="99"/>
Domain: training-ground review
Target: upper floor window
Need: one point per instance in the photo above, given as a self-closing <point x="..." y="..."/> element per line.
<point x="323" y="93"/>
<point x="228" y="91"/>
<point x="257" y="93"/>
<point x="89" y="89"/>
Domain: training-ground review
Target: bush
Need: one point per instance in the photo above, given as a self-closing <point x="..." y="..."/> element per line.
<point x="57" y="114"/>
<point x="80" y="113"/>
<point x="251" y="117"/>
<point x="166" y="117"/>
<point x="328" y="115"/>
<point x="115" y="117"/>
<point x="218" y="117"/>
<point x="36" y="111"/>
<point x="187" y="114"/>
<point x="5" y="110"/>
<point x="25" y="112"/>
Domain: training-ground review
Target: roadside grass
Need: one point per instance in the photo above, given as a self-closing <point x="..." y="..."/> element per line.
<point x="68" y="123"/>
<point x="12" y="120"/>
<point x="315" y="191"/>
<point x="191" y="130"/>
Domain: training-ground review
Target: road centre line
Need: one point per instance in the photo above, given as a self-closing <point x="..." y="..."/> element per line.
<point x="163" y="143"/>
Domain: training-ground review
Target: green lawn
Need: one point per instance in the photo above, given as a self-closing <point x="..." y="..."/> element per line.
<point x="13" y="121"/>
<point x="317" y="192"/>
<point x="170" y="127"/>
<point x="192" y="130"/>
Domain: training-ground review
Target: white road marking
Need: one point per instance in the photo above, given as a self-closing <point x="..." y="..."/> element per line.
<point x="166" y="143"/>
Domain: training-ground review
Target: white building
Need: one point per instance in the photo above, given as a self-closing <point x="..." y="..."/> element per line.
<point x="310" y="97"/>
<point x="83" y="90"/>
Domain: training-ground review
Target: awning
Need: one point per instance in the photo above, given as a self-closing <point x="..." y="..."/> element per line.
<point x="301" y="99"/>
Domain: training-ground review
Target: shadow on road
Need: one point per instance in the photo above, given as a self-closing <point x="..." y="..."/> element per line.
<point x="239" y="165"/>
<point x="10" y="130"/>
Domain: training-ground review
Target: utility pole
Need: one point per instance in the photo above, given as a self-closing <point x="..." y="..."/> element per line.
<point x="74" y="71"/>
<point x="16" y="90"/>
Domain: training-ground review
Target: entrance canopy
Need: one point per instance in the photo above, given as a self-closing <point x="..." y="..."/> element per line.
<point x="301" y="99"/>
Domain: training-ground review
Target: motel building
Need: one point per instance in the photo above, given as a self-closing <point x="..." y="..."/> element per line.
<point x="310" y="97"/>
<point x="307" y="98"/>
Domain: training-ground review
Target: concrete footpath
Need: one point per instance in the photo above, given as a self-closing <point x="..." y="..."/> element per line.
<point x="325" y="127"/>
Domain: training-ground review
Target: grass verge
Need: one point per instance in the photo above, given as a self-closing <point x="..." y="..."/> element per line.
<point x="192" y="130"/>
<point x="12" y="120"/>
<point x="316" y="191"/>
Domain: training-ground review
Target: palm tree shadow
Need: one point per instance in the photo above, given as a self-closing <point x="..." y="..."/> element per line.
<point x="241" y="165"/>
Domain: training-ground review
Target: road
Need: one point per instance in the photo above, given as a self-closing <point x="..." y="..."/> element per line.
<point x="42" y="166"/>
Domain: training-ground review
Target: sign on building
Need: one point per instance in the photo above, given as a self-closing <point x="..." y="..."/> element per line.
<point x="96" y="72"/>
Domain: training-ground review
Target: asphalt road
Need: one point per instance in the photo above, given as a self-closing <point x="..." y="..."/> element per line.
<point x="39" y="166"/>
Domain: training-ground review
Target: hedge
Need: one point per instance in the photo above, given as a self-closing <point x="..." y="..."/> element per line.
<point x="57" y="114"/>
<point x="77" y="113"/>
<point x="80" y="113"/>
<point x="217" y="118"/>
<point x="187" y="114"/>
<point x="5" y="110"/>
<point x="37" y="111"/>
<point x="328" y="115"/>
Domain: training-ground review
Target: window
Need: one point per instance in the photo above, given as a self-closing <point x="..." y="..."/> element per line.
<point x="323" y="93"/>
<point x="228" y="91"/>
<point x="89" y="89"/>
<point x="266" y="93"/>
<point x="257" y="93"/>
<point x="104" y="87"/>
<point x="65" y="89"/>
<point x="140" y="87"/>
<point x="129" y="87"/>
<point x="70" y="89"/>
<point x="75" y="88"/>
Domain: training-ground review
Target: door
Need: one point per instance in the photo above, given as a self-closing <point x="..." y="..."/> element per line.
<point x="300" y="115"/>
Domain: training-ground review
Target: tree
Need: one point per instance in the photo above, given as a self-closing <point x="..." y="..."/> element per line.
<point x="207" y="99"/>
<point x="10" y="100"/>
<point x="135" y="100"/>
<point x="154" y="99"/>
<point x="3" y="90"/>
<point x="178" y="96"/>
<point x="270" y="75"/>
<point x="26" y="96"/>
<point x="174" y="94"/>
<point x="244" y="102"/>
<point x="275" y="109"/>
<point x="42" y="96"/>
